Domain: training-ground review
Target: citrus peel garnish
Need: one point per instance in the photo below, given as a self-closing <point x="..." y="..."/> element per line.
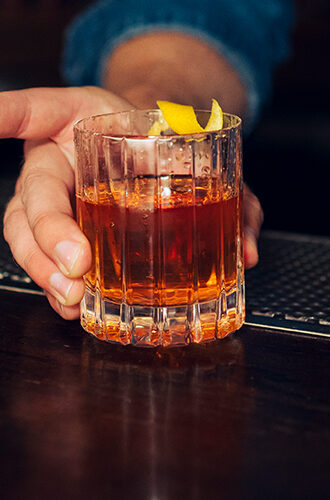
<point x="216" y="118"/>
<point x="183" y="121"/>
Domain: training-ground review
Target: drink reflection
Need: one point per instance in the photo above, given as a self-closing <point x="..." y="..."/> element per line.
<point x="126" y="421"/>
<point x="172" y="413"/>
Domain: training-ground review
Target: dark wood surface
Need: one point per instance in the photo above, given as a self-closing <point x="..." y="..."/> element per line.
<point x="243" y="418"/>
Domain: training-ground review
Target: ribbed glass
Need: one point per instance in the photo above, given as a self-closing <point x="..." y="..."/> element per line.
<point x="163" y="215"/>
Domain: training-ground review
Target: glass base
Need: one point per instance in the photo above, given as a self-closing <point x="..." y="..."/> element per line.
<point x="162" y="326"/>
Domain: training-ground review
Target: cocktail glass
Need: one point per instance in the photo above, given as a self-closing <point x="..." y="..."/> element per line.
<point x="163" y="215"/>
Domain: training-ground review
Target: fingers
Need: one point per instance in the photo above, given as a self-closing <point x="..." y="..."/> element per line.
<point x="45" y="188"/>
<point x="38" y="225"/>
<point x="67" y="312"/>
<point x="252" y="220"/>
<point x="41" y="113"/>
<point x="34" y="113"/>
<point x="30" y="257"/>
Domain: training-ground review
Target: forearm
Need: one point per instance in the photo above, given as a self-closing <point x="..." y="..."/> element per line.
<point x="175" y="67"/>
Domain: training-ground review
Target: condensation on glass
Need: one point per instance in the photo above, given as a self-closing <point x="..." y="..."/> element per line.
<point x="163" y="216"/>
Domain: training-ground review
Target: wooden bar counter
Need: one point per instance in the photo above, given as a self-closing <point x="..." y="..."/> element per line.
<point x="246" y="417"/>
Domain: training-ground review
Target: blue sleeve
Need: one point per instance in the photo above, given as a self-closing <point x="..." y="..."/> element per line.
<point x="252" y="35"/>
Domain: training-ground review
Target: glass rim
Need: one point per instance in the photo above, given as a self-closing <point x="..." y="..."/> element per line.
<point x="77" y="126"/>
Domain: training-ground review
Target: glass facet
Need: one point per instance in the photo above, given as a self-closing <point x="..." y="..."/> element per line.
<point x="163" y="215"/>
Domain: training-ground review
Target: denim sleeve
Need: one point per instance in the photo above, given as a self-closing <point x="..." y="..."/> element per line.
<point x="253" y="36"/>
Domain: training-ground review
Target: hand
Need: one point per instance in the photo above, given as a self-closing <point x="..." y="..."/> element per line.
<point x="252" y="220"/>
<point x="38" y="224"/>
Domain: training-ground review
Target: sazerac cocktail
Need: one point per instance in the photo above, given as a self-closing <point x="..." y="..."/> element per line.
<point x="164" y="219"/>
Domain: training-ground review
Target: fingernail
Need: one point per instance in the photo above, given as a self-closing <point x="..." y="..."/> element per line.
<point x="61" y="286"/>
<point x="67" y="253"/>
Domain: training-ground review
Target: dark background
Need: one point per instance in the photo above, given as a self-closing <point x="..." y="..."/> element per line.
<point x="286" y="159"/>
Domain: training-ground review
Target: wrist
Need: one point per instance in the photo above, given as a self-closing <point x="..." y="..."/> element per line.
<point x="174" y="67"/>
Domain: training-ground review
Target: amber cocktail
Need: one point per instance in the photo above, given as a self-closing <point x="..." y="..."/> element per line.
<point x="163" y="215"/>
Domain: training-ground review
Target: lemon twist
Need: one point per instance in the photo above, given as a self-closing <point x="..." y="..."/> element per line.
<point x="182" y="119"/>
